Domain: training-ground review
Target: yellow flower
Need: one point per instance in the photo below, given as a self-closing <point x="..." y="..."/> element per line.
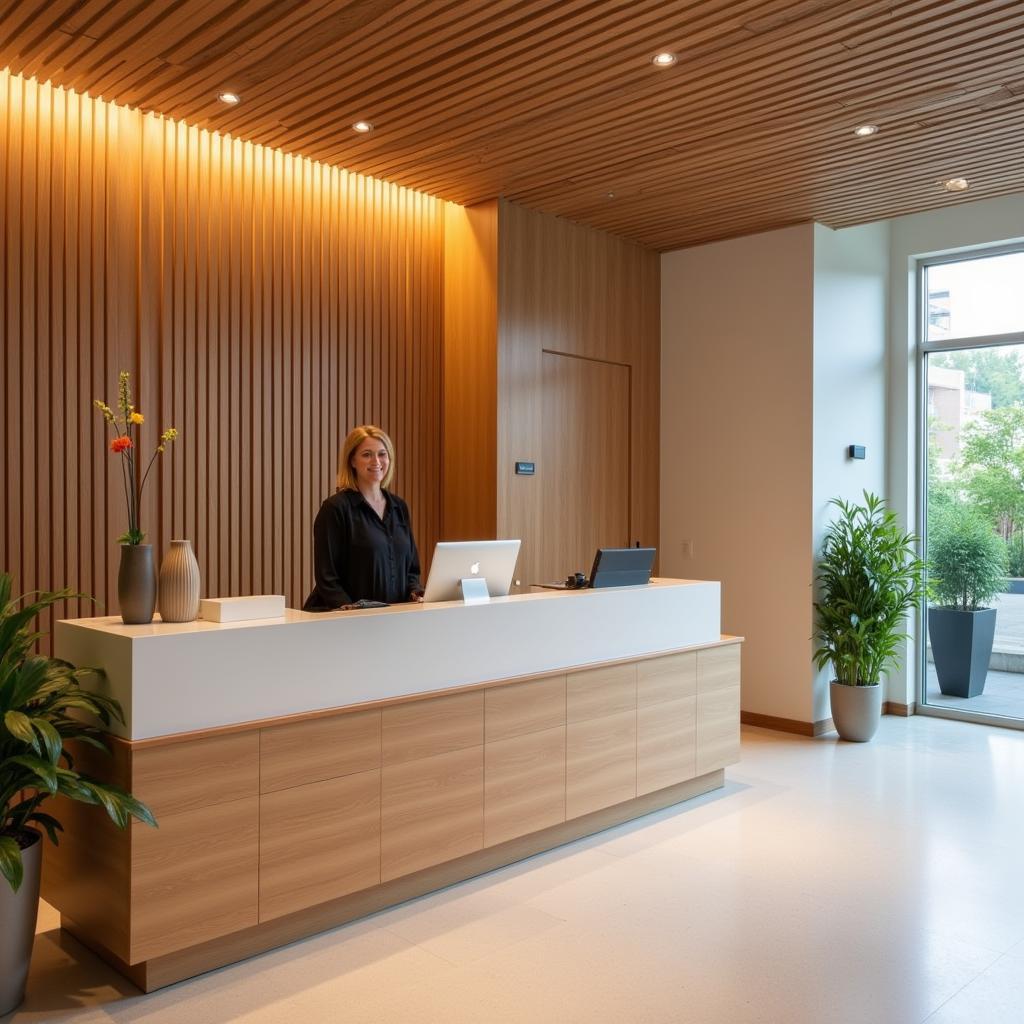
<point x="137" y="417"/>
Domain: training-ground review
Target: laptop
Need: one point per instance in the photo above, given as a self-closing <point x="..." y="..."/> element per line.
<point x="454" y="561"/>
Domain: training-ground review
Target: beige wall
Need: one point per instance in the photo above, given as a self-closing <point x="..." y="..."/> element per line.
<point x="850" y="297"/>
<point x="773" y="363"/>
<point x="737" y="448"/>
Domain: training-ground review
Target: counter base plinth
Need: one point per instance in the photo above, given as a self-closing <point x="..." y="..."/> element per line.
<point x="161" y="971"/>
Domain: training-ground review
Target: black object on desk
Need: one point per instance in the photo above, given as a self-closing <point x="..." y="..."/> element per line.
<point x="622" y="567"/>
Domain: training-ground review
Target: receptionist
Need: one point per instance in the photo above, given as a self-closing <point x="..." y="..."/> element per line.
<point x="363" y="547"/>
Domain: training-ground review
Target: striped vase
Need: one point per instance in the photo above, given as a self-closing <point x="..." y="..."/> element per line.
<point x="179" y="583"/>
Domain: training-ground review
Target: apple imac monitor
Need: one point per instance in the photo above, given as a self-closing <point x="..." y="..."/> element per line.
<point x="454" y="561"/>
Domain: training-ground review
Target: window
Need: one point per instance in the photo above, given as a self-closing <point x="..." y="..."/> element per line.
<point x="972" y="445"/>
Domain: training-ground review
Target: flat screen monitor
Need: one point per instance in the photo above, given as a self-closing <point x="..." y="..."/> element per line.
<point x="454" y="561"/>
<point x="622" y="567"/>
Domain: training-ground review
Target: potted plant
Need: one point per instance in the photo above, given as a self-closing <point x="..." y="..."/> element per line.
<point x="968" y="568"/>
<point x="868" y="580"/>
<point x="41" y="701"/>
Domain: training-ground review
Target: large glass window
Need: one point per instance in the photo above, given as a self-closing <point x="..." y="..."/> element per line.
<point x="972" y="350"/>
<point x="975" y="298"/>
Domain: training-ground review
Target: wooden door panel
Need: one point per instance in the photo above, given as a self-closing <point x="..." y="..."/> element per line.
<point x="584" y="462"/>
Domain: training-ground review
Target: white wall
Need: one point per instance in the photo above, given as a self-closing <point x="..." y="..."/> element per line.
<point x="967" y="226"/>
<point x="773" y="363"/>
<point x="736" y="447"/>
<point x="850" y="305"/>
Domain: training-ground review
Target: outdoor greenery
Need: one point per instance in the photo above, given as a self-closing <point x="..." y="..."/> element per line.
<point x="868" y="580"/>
<point x="43" y="706"/>
<point x="995" y="372"/>
<point x="988" y="471"/>
<point x="968" y="560"/>
<point x="1015" y="554"/>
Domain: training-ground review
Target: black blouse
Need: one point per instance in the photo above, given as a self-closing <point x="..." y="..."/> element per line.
<point x="356" y="554"/>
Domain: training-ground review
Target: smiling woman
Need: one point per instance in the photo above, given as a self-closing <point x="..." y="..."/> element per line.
<point x="363" y="547"/>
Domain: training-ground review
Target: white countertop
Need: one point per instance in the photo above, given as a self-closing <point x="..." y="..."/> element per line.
<point x="180" y="677"/>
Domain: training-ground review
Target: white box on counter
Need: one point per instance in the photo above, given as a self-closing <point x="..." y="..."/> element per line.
<point x="238" y="609"/>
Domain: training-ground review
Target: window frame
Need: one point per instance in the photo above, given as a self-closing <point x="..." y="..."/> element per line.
<point x="923" y="349"/>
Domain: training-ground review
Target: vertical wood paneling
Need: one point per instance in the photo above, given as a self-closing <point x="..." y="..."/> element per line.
<point x="572" y="291"/>
<point x="263" y="303"/>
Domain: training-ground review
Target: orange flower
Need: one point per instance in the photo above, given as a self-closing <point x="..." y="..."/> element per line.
<point x="119" y="444"/>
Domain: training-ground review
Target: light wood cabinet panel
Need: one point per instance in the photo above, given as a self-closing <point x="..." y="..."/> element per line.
<point x="666" y="744"/>
<point x="426" y="728"/>
<point x="718" y="729"/>
<point x="431" y="811"/>
<point x="600" y="691"/>
<point x="195" y="877"/>
<point x="600" y="763"/>
<point x="211" y="771"/>
<point x="668" y="678"/>
<point x="524" y="784"/>
<point x="524" y="708"/>
<point x="319" y="842"/>
<point x="322" y="748"/>
<point x="718" y="668"/>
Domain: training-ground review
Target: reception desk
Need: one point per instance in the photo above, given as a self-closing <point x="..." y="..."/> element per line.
<point x="312" y="769"/>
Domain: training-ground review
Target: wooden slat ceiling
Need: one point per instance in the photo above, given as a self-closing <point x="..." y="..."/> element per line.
<point x="555" y="103"/>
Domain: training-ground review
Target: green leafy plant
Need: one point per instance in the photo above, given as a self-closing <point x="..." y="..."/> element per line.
<point x="968" y="560"/>
<point x="868" y="580"/>
<point x="43" y="706"/>
<point x="1015" y="554"/>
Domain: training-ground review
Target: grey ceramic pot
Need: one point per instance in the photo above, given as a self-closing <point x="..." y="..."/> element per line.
<point x="856" y="711"/>
<point x="136" y="584"/>
<point x="18" y="927"/>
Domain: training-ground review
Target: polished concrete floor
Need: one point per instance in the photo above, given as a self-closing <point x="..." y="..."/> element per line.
<point x="827" y="882"/>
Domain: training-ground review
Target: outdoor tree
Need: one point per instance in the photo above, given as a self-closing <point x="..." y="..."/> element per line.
<point x="990" y="371"/>
<point x="993" y="461"/>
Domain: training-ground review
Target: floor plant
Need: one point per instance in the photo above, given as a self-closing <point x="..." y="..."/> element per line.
<point x="869" y="578"/>
<point x="44" y="708"/>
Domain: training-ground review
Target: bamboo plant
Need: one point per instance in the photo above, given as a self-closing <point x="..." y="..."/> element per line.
<point x="869" y="578"/>
<point x="43" y="707"/>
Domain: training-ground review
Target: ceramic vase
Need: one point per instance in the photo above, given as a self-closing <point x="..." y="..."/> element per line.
<point x="136" y="584"/>
<point x="18" y="926"/>
<point x="179" y="583"/>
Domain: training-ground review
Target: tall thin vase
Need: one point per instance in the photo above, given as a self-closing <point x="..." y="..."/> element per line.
<point x="136" y="584"/>
<point x="179" y="583"/>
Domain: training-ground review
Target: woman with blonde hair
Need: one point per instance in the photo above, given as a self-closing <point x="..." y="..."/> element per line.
<point x="363" y="547"/>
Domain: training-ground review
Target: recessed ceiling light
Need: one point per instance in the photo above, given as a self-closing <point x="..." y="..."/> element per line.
<point x="956" y="185"/>
<point x="665" y="59"/>
<point x="362" y="126"/>
<point x="864" y="130"/>
<point x="231" y="98"/>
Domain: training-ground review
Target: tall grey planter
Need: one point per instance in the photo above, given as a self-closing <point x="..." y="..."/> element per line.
<point x="856" y="710"/>
<point x="179" y="583"/>
<point x="18" y="927"/>
<point x="962" y="648"/>
<point x="136" y="584"/>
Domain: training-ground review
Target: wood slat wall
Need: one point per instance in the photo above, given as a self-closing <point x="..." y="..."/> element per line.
<point x="572" y="291"/>
<point x="263" y="303"/>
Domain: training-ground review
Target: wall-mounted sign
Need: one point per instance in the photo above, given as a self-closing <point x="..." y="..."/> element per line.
<point x="525" y="469"/>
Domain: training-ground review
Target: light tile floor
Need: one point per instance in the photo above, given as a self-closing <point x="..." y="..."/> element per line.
<point x="827" y="882"/>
